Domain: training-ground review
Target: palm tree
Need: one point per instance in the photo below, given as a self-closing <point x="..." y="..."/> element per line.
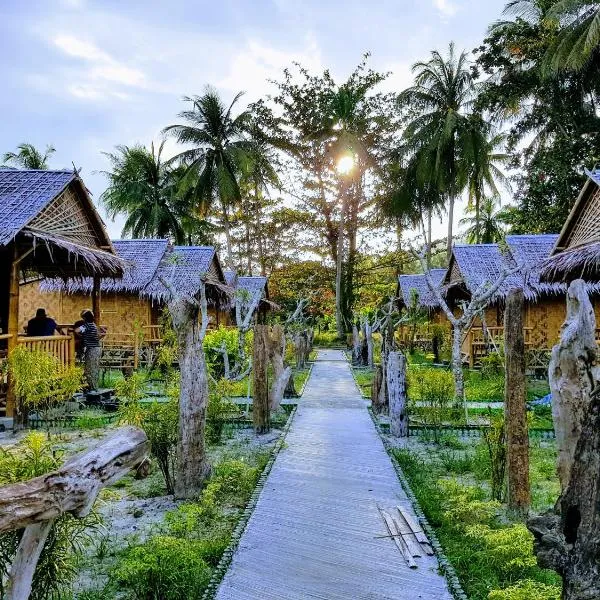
<point x="438" y="131"/>
<point x="218" y="143"/>
<point x="484" y="172"/>
<point x="578" y="36"/>
<point x="484" y="228"/>
<point x="258" y="175"/>
<point x="147" y="190"/>
<point x="29" y="157"/>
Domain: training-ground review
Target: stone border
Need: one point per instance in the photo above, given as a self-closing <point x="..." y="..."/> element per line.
<point x="445" y="565"/>
<point x="227" y="557"/>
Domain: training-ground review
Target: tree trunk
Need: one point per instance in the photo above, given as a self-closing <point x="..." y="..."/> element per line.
<point x="376" y="388"/>
<point x="260" y="396"/>
<point x="396" y="385"/>
<point x="248" y="244"/>
<point x="515" y="411"/>
<point x="568" y="538"/>
<point x="339" y="314"/>
<point x="356" y="349"/>
<point x="281" y="374"/>
<point x="457" y="372"/>
<point x="450" y="227"/>
<point x="192" y="461"/>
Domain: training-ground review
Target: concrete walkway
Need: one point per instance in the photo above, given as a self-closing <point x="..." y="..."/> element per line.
<point x="314" y="532"/>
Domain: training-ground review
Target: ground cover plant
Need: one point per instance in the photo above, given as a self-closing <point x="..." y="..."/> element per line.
<point x="491" y="553"/>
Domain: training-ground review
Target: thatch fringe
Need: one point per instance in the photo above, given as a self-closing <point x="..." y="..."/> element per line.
<point x="582" y="262"/>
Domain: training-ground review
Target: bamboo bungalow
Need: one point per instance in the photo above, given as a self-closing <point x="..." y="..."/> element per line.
<point x="253" y="293"/>
<point x="48" y="227"/>
<point x="577" y="250"/>
<point x="479" y="264"/>
<point x="413" y="288"/>
<point x="131" y="306"/>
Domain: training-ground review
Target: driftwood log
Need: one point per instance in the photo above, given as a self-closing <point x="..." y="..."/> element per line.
<point x="37" y="503"/>
<point x="567" y="539"/>
<point x="396" y="386"/>
<point x="515" y="410"/>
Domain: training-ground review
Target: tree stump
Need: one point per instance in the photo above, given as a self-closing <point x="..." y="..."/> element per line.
<point x="260" y="395"/>
<point x="515" y="411"/>
<point x="375" y="389"/>
<point x="568" y="538"/>
<point x="396" y="386"/>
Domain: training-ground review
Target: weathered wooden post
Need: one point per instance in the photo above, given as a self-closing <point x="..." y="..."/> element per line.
<point x="275" y="340"/>
<point x="515" y="411"/>
<point x="567" y="539"/>
<point x="260" y="394"/>
<point x="376" y="389"/>
<point x="396" y="387"/>
<point x="37" y="503"/>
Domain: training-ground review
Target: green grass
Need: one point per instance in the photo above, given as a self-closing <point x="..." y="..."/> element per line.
<point x="488" y="550"/>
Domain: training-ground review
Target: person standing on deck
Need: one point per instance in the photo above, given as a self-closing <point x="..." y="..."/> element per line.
<point x="90" y="336"/>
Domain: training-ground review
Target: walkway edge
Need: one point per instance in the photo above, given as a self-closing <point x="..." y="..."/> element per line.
<point x="445" y="566"/>
<point x="226" y="558"/>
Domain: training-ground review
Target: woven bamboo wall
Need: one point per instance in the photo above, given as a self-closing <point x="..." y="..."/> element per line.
<point x="119" y="313"/>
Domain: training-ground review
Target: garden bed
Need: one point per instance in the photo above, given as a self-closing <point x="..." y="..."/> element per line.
<point x="490" y="550"/>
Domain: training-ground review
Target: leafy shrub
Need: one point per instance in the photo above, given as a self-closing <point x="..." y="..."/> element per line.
<point x="508" y="549"/>
<point x="527" y="590"/>
<point x="495" y="441"/>
<point x="480" y="387"/>
<point x="492" y="364"/>
<point x="160" y="421"/>
<point x="165" y="568"/>
<point x="57" y="565"/>
<point x="219" y="409"/>
<point x="41" y="380"/>
<point x="455" y="462"/>
<point x="465" y="504"/>
<point x="431" y="392"/>
<point x="131" y="389"/>
<point x="232" y="482"/>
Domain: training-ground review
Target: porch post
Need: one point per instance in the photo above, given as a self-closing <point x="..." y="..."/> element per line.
<point x="96" y="302"/>
<point x="13" y="326"/>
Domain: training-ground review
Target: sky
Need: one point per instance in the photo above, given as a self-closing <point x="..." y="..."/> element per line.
<point x="88" y="75"/>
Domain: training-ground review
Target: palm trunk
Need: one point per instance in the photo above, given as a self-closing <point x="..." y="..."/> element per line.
<point x="450" y="226"/>
<point x="477" y="218"/>
<point x="248" y="245"/>
<point x="227" y="229"/>
<point x="261" y="251"/>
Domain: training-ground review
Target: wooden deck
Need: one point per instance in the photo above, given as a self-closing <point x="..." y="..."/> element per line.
<point x="315" y="532"/>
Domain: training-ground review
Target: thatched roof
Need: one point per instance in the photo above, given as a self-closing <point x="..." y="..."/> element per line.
<point x="183" y="268"/>
<point x="530" y="251"/>
<point x="230" y="278"/>
<point x="407" y="283"/>
<point x="473" y="265"/>
<point x="141" y="258"/>
<point x="577" y="250"/>
<point x="252" y="288"/>
<point x="149" y="265"/>
<point x="50" y="215"/>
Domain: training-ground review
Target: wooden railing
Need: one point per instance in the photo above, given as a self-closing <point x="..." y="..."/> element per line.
<point x="60" y="346"/>
<point x="481" y="342"/>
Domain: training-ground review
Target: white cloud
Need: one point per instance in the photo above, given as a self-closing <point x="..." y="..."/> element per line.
<point x="102" y="76"/>
<point x="446" y="7"/>
<point x="77" y="48"/>
<point x="252" y="65"/>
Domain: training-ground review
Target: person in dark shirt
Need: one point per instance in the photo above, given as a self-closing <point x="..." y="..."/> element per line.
<point x="92" y="350"/>
<point x="41" y="325"/>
